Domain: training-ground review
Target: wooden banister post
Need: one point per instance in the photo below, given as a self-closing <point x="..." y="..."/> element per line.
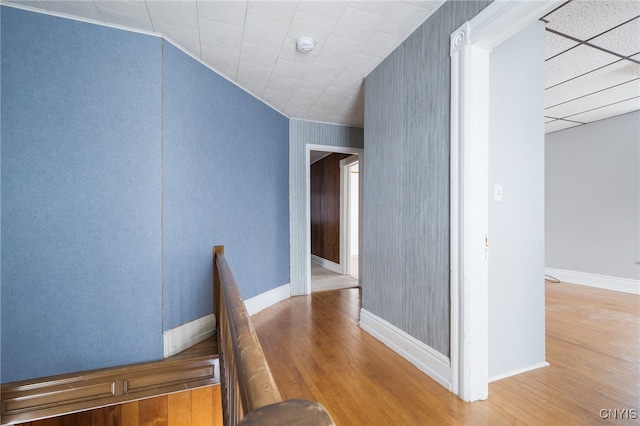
<point x="216" y="279"/>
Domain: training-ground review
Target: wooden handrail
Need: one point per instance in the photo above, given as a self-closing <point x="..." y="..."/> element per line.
<point x="249" y="392"/>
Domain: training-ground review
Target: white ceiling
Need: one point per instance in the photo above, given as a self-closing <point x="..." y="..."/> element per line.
<point x="592" y="62"/>
<point x="252" y="43"/>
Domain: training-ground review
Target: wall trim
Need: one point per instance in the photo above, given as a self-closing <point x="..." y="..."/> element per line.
<point x="268" y="298"/>
<point x="428" y="360"/>
<point x="54" y="396"/>
<point x="327" y="264"/>
<point x="519" y="371"/>
<point x="624" y="285"/>
<point x="186" y="335"/>
<point x="300" y="233"/>
<point x="471" y="45"/>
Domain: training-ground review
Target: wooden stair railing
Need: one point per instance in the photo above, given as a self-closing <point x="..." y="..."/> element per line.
<point x="249" y="393"/>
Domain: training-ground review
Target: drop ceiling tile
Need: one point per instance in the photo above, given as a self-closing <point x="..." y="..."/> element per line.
<point x="577" y="61"/>
<point x="227" y="71"/>
<point x="404" y="19"/>
<point x="363" y="64"/>
<point x="557" y="125"/>
<point x="356" y="24"/>
<point x="381" y="44"/>
<point x="605" y="97"/>
<point x="187" y="38"/>
<point x="312" y="87"/>
<point x="221" y="56"/>
<point x="283" y="84"/>
<point x="82" y="8"/>
<point x="173" y="14"/>
<point x="611" y="75"/>
<point x="328" y="9"/>
<point x="327" y="67"/>
<point x="298" y="105"/>
<point x="281" y="11"/>
<point x="341" y="48"/>
<point x="257" y="54"/>
<point x="587" y="19"/>
<point x="265" y="31"/>
<point x="382" y="8"/>
<point x="277" y="99"/>
<point x="213" y="33"/>
<point x="349" y="80"/>
<point x="427" y="4"/>
<point x="130" y="13"/>
<point x="624" y="40"/>
<point x="248" y="70"/>
<point x="289" y="69"/>
<point x="37" y="4"/>
<point x="309" y="25"/>
<point x="555" y="44"/>
<point x="608" y="111"/>
<point x="229" y="12"/>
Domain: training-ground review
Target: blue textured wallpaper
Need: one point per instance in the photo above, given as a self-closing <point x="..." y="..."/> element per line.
<point x="118" y="175"/>
<point x="226" y="177"/>
<point x="81" y="186"/>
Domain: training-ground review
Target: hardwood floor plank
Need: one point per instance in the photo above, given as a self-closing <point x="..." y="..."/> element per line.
<point x="179" y="408"/>
<point x="82" y="418"/>
<point x="106" y="416"/>
<point x="202" y="403"/>
<point x="129" y="415"/>
<point x="216" y="401"/>
<point x="317" y="351"/>
<point x="153" y="411"/>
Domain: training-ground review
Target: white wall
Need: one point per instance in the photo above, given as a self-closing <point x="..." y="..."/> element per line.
<point x="516" y="224"/>
<point x="593" y="198"/>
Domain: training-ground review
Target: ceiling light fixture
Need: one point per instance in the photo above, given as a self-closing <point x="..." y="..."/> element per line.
<point x="305" y="44"/>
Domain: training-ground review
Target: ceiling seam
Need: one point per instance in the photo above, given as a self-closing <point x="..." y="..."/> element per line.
<point x="593" y="93"/>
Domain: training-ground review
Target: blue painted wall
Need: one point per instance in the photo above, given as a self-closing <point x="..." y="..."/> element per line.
<point x="226" y="177"/>
<point x="103" y="247"/>
<point x="81" y="196"/>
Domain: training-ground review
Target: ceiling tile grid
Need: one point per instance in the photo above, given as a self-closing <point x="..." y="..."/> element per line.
<point x="592" y="68"/>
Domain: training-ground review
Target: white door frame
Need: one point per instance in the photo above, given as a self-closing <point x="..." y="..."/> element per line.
<point x="307" y="204"/>
<point x="471" y="46"/>
<point x="345" y="212"/>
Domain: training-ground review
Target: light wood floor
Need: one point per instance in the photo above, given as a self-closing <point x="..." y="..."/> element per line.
<point x="317" y="351"/>
<point x="323" y="279"/>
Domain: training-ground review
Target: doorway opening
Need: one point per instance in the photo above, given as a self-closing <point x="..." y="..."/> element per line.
<point x="334" y="220"/>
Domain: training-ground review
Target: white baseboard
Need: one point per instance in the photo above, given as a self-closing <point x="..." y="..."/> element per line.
<point x="268" y="298"/>
<point x="428" y="360"/>
<point x="186" y="335"/>
<point x="624" y="285"/>
<point x="518" y="371"/>
<point x="327" y="264"/>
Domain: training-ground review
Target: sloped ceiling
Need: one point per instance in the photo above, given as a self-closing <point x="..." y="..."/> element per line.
<point x="592" y="60"/>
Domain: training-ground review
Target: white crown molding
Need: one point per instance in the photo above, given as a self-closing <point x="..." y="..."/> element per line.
<point x="186" y="335"/>
<point x="268" y="298"/>
<point x="624" y="285"/>
<point x="428" y="360"/>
